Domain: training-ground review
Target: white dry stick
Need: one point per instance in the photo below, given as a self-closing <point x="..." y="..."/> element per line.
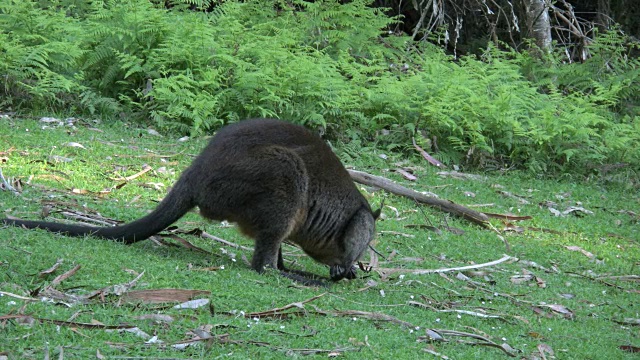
<point x="6" y="184"/>
<point x="223" y="241"/>
<point x="384" y="271"/>
<point x="4" y="293"/>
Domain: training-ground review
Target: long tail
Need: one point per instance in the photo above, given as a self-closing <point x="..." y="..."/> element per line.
<point x="177" y="203"/>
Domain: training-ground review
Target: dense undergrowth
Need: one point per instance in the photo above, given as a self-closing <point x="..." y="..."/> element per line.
<point x="325" y="65"/>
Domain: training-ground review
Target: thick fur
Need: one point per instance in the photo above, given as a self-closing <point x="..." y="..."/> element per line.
<point x="277" y="181"/>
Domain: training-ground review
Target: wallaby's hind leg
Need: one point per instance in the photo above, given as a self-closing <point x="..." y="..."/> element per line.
<point x="265" y="192"/>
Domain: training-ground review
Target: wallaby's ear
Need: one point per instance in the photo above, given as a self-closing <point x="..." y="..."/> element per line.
<point x="376" y="214"/>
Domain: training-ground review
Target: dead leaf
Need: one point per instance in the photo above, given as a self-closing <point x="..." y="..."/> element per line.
<point x="133" y="330"/>
<point x="64" y="276"/>
<point x="629" y="348"/>
<point x="74" y="144"/>
<point x="521" y="279"/>
<point x="397" y="233"/>
<point x="544" y="349"/>
<point x="567" y="296"/>
<point x="50" y="120"/>
<point x="508" y="216"/>
<point x="189" y="245"/>
<point x="535" y="335"/>
<point x="159" y="318"/>
<point x="59" y="159"/>
<point x="577" y="211"/>
<point x="407" y="175"/>
<point x="460" y="176"/>
<point x="192" y="304"/>
<point x="155" y="296"/>
<point x="521" y="199"/>
<point x="555" y="212"/>
<point x="584" y="252"/>
<point x="50" y="270"/>
<point x="434" y="336"/>
<point x="560" y="309"/>
<point x="433" y="161"/>
<point x="628" y="321"/>
<point x="432" y="351"/>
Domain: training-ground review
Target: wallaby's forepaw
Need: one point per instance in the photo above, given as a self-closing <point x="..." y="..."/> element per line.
<point x="338" y="272"/>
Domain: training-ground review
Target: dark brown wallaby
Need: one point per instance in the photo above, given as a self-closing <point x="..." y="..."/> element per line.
<point x="277" y="181"/>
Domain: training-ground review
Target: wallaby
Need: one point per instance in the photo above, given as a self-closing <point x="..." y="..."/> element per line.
<point x="278" y="182"/>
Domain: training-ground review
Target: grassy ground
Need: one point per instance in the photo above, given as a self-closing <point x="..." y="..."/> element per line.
<point x="570" y="294"/>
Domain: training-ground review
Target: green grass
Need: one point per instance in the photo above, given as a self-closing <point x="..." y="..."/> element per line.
<point x="121" y="149"/>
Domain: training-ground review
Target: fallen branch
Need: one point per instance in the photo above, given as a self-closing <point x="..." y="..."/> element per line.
<point x="444" y="205"/>
<point x="389" y="271"/>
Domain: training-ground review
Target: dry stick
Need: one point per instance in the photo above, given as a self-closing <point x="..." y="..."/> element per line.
<point x="443" y="270"/>
<point x="144" y="170"/>
<point x="223" y="241"/>
<point x="7" y="185"/>
<point x="60" y="278"/>
<point x="50" y="270"/>
<point x="444" y="205"/>
<point x="620" y="277"/>
<point x="4" y="293"/>
<point x="87" y="219"/>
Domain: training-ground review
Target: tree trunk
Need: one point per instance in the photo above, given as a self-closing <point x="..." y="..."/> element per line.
<point x="603" y="19"/>
<point x="537" y="16"/>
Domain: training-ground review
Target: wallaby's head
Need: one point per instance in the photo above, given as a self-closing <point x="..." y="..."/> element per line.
<point x="359" y="233"/>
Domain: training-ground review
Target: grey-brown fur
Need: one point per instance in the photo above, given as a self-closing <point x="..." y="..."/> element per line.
<point x="277" y="181"/>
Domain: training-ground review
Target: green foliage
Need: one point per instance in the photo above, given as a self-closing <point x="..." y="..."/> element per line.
<point x="196" y="65"/>
<point x="37" y="56"/>
<point x="601" y="96"/>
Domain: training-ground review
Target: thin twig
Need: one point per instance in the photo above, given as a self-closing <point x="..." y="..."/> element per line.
<point x="144" y="170"/>
<point x="385" y="271"/>
<point x="223" y="241"/>
<point x="4" y="293"/>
